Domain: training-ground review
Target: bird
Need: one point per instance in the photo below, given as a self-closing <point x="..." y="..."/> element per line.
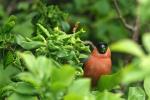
<point x="98" y="63"/>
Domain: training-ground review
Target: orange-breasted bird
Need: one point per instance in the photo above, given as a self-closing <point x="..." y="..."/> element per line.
<point x="99" y="63"/>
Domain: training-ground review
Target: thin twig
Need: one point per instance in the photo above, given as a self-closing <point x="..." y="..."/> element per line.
<point x="90" y="43"/>
<point x="126" y="25"/>
<point x="76" y="27"/>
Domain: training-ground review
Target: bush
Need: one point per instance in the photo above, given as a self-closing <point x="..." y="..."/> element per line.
<point x="42" y="48"/>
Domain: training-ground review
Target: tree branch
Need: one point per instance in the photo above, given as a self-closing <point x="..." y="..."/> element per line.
<point x="134" y="29"/>
<point x="126" y="25"/>
<point x="90" y="43"/>
<point x="136" y="32"/>
<point x="135" y="37"/>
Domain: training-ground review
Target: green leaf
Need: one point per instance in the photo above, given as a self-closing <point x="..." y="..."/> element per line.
<point x="29" y="61"/>
<point x="73" y="96"/>
<point x="136" y="93"/>
<point x="43" y="67"/>
<point x="79" y="90"/>
<point x="24" y="88"/>
<point x="146" y="41"/>
<point x="8" y="59"/>
<point x="145" y="63"/>
<point x="144" y="10"/>
<point x="63" y="77"/>
<point x="110" y="81"/>
<point x="28" y="77"/>
<point x="124" y="45"/>
<point x="108" y="96"/>
<point x="28" y="44"/>
<point x="133" y="73"/>
<point x="9" y="25"/>
<point x="81" y="84"/>
<point x="147" y="86"/>
<point x="76" y="96"/>
<point x="25" y="28"/>
<point x="130" y="73"/>
<point x="16" y="96"/>
<point x="65" y="26"/>
<point x="6" y="75"/>
<point x="32" y="45"/>
<point x="44" y="30"/>
<point x="83" y="56"/>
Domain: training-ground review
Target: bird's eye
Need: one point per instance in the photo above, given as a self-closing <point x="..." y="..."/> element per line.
<point x="102" y="47"/>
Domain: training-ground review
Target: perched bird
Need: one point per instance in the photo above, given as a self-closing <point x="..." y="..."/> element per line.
<point x="99" y="63"/>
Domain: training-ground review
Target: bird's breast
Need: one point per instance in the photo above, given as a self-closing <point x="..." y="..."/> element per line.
<point x="95" y="67"/>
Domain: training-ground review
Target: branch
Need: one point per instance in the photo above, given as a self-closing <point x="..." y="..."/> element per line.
<point x="136" y="32"/>
<point x="90" y="43"/>
<point x="75" y="27"/>
<point x="134" y="29"/>
<point x="11" y="6"/>
<point x="126" y="25"/>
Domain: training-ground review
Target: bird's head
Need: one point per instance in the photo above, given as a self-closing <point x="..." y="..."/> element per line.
<point x="102" y="50"/>
<point x="102" y="47"/>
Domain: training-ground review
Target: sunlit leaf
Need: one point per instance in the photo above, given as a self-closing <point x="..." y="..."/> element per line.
<point x="28" y="77"/>
<point x="63" y="77"/>
<point x="81" y="84"/>
<point x="146" y="41"/>
<point x="145" y="63"/>
<point x="43" y="67"/>
<point x="8" y="25"/>
<point x="110" y="81"/>
<point x="147" y="86"/>
<point x="136" y="93"/>
<point x="44" y="30"/>
<point x="127" y="46"/>
<point x="28" y="44"/>
<point x="80" y="89"/>
<point x="29" y="61"/>
<point x="9" y="58"/>
<point x="24" y="88"/>
<point x="108" y="96"/>
<point x="16" y="96"/>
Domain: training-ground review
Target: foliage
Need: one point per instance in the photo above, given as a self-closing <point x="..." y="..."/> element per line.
<point x="136" y="93"/>
<point x="99" y="18"/>
<point x="144" y="4"/>
<point x="41" y="50"/>
<point x="62" y="47"/>
<point x="138" y="70"/>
